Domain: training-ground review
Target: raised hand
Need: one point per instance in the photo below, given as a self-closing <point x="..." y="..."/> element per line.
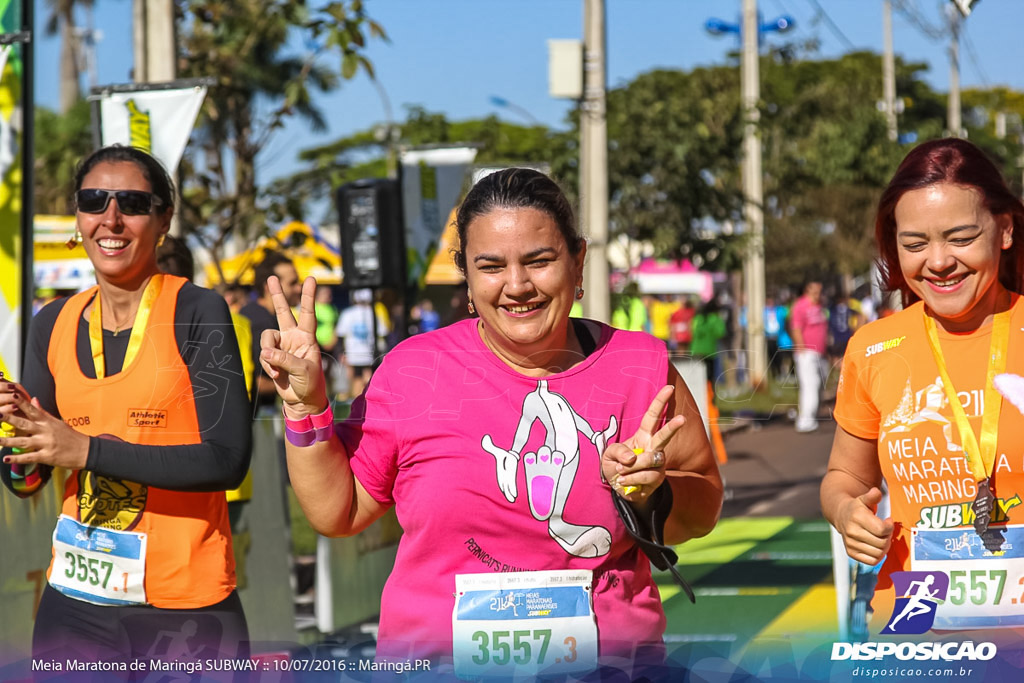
<point x="290" y="355"/>
<point x="639" y="461"/>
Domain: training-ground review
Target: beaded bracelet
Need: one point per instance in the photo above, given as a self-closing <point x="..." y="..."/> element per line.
<point x="310" y="429"/>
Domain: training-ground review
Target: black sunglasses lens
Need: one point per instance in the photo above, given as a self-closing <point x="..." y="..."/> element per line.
<point x="92" y="201"/>
<point x="134" y="203"/>
<point x="129" y="202"/>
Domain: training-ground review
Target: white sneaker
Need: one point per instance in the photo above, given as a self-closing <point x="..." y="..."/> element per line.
<point x="806" y="427"/>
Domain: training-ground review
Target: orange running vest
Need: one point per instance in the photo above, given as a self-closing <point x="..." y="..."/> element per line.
<point x="189" y="562"/>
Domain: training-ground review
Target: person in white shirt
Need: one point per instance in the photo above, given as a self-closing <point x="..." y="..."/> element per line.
<point x="355" y="332"/>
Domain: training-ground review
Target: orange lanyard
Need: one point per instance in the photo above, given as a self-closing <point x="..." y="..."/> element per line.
<point x="138" y="327"/>
<point x="980" y="459"/>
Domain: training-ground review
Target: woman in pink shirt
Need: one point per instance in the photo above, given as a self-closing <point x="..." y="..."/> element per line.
<point x="501" y="440"/>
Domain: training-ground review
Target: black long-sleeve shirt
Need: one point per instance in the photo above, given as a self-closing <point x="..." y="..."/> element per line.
<point x="206" y="341"/>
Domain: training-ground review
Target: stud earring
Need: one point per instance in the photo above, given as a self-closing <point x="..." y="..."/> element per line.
<point x="578" y="293"/>
<point x="75" y="239"/>
<point x="471" y="307"/>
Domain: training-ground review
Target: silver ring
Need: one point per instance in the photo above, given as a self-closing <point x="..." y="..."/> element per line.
<point x="658" y="458"/>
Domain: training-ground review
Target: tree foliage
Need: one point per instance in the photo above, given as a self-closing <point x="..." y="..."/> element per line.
<point x="364" y="154"/>
<point x="246" y="45"/>
<point x="60" y="141"/>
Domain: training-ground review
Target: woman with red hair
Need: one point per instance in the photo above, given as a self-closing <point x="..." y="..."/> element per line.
<point x="920" y="401"/>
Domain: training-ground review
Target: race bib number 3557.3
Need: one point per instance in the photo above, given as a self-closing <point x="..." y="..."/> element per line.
<point x="524" y="623"/>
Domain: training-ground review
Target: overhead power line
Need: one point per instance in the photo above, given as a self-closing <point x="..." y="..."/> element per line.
<point x="910" y="11"/>
<point x="820" y="13"/>
<point x="973" y="55"/>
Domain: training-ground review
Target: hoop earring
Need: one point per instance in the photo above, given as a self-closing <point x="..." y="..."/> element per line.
<point x="578" y="293"/>
<point x="75" y="239"/>
<point x="471" y="307"/>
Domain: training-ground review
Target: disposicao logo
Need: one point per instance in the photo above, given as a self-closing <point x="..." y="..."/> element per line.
<point x="918" y="595"/>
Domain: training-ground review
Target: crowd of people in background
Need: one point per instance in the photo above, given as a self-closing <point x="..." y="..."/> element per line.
<point x="692" y="326"/>
<point x="712" y="331"/>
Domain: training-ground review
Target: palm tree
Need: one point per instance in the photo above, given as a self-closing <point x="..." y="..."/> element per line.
<point x="61" y="19"/>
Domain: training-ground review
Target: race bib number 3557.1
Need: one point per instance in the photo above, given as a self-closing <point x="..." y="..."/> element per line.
<point x="523" y="624"/>
<point x="98" y="565"/>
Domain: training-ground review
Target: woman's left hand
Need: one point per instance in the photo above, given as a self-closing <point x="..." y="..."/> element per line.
<point x="636" y="467"/>
<point x="43" y="438"/>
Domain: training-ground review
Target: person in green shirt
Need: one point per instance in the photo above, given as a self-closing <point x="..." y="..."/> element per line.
<point x="629" y="312"/>
<point x="708" y="329"/>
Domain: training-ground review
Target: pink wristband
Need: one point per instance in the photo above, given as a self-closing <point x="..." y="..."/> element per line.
<point x="303" y="425"/>
<point x="323" y="423"/>
<point x="310" y="429"/>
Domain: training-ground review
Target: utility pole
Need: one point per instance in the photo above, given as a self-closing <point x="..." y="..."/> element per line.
<point x="953" y="113"/>
<point x="889" y="72"/>
<point x="753" y="195"/>
<point x="154" y="46"/>
<point x="594" y="164"/>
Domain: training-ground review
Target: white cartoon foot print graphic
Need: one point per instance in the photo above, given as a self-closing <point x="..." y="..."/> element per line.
<point x="551" y="471"/>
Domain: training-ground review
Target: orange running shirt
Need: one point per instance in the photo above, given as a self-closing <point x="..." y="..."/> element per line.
<point x="189" y="561"/>
<point x="890" y="391"/>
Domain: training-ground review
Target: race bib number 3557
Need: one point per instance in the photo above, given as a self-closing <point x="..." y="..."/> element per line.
<point x="524" y="623"/>
<point x="97" y="565"/>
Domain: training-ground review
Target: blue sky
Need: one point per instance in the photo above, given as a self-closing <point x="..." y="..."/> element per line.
<point x="453" y="55"/>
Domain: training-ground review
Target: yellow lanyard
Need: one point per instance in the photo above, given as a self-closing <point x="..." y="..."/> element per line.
<point x="138" y="327"/>
<point x="979" y="460"/>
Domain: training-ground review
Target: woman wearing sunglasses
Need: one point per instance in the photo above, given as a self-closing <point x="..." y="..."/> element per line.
<point x="135" y="386"/>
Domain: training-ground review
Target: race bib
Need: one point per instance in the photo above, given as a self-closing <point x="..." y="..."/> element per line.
<point x="986" y="589"/>
<point x="98" y="565"/>
<point x="524" y="624"/>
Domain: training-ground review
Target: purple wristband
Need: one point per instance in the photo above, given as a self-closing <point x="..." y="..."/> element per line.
<point x="301" y="439"/>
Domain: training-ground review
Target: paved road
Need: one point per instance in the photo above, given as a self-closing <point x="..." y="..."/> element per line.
<point x="765" y="574"/>
<point x="773" y="470"/>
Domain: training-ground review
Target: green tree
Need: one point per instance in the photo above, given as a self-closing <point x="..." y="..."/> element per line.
<point x="364" y="154"/>
<point x="60" y="141"/>
<point x="61" y="19"/>
<point x="245" y="45"/>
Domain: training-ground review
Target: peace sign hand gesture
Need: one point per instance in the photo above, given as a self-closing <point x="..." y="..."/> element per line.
<point x="636" y="467"/>
<point x="290" y="355"/>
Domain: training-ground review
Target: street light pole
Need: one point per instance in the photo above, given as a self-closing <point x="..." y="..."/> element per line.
<point x="753" y="195"/>
<point x="154" y="41"/>
<point x="750" y="30"/>
<point x="889" y="72"/>
<point x="953" y="111"/>
<point x="594" y="164"/>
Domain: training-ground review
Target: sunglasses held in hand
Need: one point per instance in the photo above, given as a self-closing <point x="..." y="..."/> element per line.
<point x="129" y="202"/>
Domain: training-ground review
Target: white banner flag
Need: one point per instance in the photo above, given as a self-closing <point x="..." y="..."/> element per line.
<point x="432" y="181"/>
<point x="156" y="121"/>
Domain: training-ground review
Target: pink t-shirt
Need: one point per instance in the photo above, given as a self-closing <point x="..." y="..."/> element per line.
<point x="810" y="319"/>
<point x="438" y="414"/>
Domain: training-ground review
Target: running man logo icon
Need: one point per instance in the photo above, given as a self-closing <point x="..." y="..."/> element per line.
<point x="918" y="595"/>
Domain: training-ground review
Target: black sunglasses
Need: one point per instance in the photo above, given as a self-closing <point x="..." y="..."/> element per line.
<point x="129" y="202"/>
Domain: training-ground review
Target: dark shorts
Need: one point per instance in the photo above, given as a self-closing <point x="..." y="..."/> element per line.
<point x="67" y="628"/>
